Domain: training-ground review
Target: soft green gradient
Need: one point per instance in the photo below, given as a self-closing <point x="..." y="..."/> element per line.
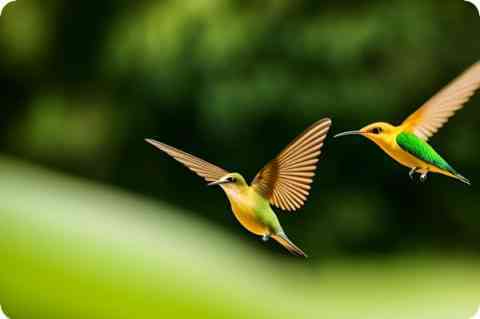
<point x="71" y="249"/>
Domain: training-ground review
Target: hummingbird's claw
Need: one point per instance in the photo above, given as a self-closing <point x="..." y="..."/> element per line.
<point x="423" y="177"/>
<point x="412" y="172"/>
<point x="265" y="238"/>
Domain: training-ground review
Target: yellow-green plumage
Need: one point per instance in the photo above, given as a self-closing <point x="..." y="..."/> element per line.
<point x="422" y="150"/>
<point x="283" y="182"/>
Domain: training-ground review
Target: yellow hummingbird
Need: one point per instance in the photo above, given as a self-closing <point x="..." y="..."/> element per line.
<point x="284" y="182"/>
<point x="407" y="142"/>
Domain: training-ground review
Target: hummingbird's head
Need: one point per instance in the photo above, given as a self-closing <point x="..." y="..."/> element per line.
<point x="380" y="133"/>
<point x="230" y="180"/>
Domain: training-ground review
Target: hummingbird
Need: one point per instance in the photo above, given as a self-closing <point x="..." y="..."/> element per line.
<point x="285" y="182"/>
<point x="408" y="144"/>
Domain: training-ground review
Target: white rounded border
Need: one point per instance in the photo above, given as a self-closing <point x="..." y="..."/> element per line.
<point x="2" y="315"/>
<point x="3" y="4"/>
<point x="476" y="3"/>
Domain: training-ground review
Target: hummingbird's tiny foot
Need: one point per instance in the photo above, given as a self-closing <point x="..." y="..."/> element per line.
<point x="423" y="177"/>
<point x="265" y="238"/>
<point x="412" y="173"/>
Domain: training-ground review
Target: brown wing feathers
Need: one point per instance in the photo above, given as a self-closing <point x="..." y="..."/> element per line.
<point x="202" y="168"/>
<point x="429" y="118"/>
<point x="286" y="180"/>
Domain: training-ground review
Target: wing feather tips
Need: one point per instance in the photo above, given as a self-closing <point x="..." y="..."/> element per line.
<point x="434" y="113"/>
<point x="286" y="180"/>
<point x="202" y="168"/>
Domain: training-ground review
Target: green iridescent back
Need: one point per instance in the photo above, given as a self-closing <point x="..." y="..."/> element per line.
<point x="422" y="150"/>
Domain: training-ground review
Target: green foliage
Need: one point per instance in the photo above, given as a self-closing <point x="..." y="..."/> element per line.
<point x="86" y="82"/>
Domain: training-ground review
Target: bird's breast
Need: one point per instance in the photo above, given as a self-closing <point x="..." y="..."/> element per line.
<point x="400" y="155"/>
<point x="245" y="210"/>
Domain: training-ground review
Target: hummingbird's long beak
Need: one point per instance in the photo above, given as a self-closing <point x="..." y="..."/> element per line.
<point x="219" y="182"/>
<point x="349" y="133"/>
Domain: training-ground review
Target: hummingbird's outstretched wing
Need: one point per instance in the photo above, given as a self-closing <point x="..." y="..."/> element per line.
<point x="285" y="181"/>
<point x="202" y="168"/>
<point x="432" y="115"/>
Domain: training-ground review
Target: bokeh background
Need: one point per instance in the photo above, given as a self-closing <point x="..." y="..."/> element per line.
<point x="95" y="223"/>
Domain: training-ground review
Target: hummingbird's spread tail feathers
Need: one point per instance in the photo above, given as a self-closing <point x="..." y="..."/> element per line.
<point x="456" y="175"/>
<point x="285" y="242"/>
<point x="462" y="179"/>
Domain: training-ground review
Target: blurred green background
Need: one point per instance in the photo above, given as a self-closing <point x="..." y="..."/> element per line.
<point x="96" y="223"/>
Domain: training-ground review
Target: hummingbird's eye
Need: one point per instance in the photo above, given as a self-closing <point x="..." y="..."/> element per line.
<point x="377" y="130"/>
<point x="231" y="179"/>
